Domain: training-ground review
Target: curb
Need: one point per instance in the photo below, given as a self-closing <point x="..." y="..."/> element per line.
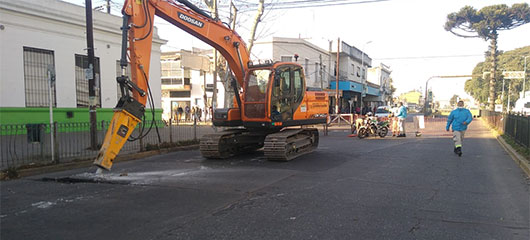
<point x="520" y="160"/>
<point x="88" y="163"/>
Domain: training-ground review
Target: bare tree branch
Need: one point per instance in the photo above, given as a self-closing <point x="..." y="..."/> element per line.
<point x="257" y="19"/>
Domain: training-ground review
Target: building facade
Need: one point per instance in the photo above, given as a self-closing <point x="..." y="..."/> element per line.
<point x="315" y="60"/>
<point x="37" y="35"/>
<point x="187" y="81"/>
<point x="353" y="81"/>
<point x="380" y="76"/>
<point x="412" y="99"/>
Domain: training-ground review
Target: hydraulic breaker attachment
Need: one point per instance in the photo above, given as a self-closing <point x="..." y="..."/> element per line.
<point x="127" y="115"/>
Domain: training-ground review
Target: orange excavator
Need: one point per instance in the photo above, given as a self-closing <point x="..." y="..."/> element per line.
<point x="269" y="97"/>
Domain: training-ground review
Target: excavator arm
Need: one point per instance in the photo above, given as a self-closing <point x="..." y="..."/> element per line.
<point x="137" y="35"/>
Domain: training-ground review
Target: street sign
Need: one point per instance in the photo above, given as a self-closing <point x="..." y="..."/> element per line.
<point x="513" y="74"/>
<point x="498" y="107"/>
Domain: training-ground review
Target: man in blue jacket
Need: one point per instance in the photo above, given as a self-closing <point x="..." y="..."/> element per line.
<point x="460" y="118"/>
<point x="401" y="116"/>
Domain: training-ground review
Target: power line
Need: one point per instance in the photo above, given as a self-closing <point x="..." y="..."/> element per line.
<point x="304" y="4"/>
<point x="429" y="57"/>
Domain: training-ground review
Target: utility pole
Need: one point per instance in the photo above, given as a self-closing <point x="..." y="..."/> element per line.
<point x="214" y="94"/>
<point x="320" y="72"/>
<point x="51" y="79"/>
<point x="205" y="96"/>
<point x="502" y="95"/>
<point x="329" y="64"/>
<point x="508" y="107"/>
<point x="524" y="78"/>
<point x="337" y="79"/>
<point x="90" y="75"/>
<point x="233" y="15"/>
<point x="363" y="75"/>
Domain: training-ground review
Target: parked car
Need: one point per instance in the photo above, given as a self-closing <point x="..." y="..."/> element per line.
<point x="382" y="111"/>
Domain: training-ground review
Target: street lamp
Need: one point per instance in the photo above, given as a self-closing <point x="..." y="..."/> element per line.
<point x="427" y="85"/>
<point x="362" y="73"/>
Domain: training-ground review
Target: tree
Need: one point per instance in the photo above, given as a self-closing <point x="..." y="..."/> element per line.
<point x="257" y="19"/>
<point x="485" y="24"/>
<point x="454" y="99"/>
<point x="221" y="67"/>
<point x="392" y="91"/>
<point x="510" y="61"/>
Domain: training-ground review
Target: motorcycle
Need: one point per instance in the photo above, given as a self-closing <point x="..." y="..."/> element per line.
<point x="371" y="127"/>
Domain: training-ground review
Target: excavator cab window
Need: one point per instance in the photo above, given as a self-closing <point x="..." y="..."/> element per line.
<point x="285" y="82"/>
<point x="282" y="93"/>
<point x="298" y="85"/>
<point x="258" y="82"/>
<point x="256" y="93"/>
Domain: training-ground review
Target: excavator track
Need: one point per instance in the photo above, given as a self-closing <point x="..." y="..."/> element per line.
<point x="290" y="143"/>
<point x="230" y="143"/>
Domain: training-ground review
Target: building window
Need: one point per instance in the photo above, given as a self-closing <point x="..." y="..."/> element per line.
<point x="358" y="71"/>
<point x="81" y="81"/>
<point x="36" y="62"/>
<point x="180" y="94"/>
<point x="118" y="74"/>
<point x="286" y="58"/>
<point x="171" y="69"/>
<point x="175" y="81"/>
<point x="171" y="81"/>
<point x="352" y="69"/>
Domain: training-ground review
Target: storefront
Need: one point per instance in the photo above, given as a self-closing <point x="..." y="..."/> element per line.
<point x="351" y="95"/>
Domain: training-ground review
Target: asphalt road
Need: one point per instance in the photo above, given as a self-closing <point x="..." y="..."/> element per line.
<point x="391" y="188"/>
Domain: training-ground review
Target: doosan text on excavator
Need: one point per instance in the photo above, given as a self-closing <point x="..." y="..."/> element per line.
<point x="271" y="101"/>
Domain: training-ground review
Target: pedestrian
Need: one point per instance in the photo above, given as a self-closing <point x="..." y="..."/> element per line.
<point x="393" y="124"/>
<point x="199" y="111"/>
<point x="459" y="118"/>
<point x="179" y="113"/>
<point x="187" y="113"/>
<point x="401" y="116"/>
<point x="395" y="128"/>
<point x="193" y="110"/>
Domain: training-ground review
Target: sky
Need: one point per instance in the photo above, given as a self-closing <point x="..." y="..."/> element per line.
<point x="407" y="35"/>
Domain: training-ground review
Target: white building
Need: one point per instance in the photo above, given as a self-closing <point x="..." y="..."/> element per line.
<point x="37" y="34"/>
<point x="315" y="60"/>
<point x="380" y="75"/>
<point x="186" y="77"/>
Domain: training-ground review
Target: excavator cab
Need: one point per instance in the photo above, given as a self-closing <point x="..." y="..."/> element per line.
<point x="272" y="95"/>
<point x="288" y="91"/>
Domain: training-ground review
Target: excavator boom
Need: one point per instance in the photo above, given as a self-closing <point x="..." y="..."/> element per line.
<point x="137" y="35"/>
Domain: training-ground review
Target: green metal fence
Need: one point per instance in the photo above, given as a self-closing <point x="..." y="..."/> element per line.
<point x="516" y="126"/>
<point x="30" y="144"/>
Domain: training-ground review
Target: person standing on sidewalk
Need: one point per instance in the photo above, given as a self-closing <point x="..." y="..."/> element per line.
<point x="460" y="118"/>
<point x="401" y="116"/>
